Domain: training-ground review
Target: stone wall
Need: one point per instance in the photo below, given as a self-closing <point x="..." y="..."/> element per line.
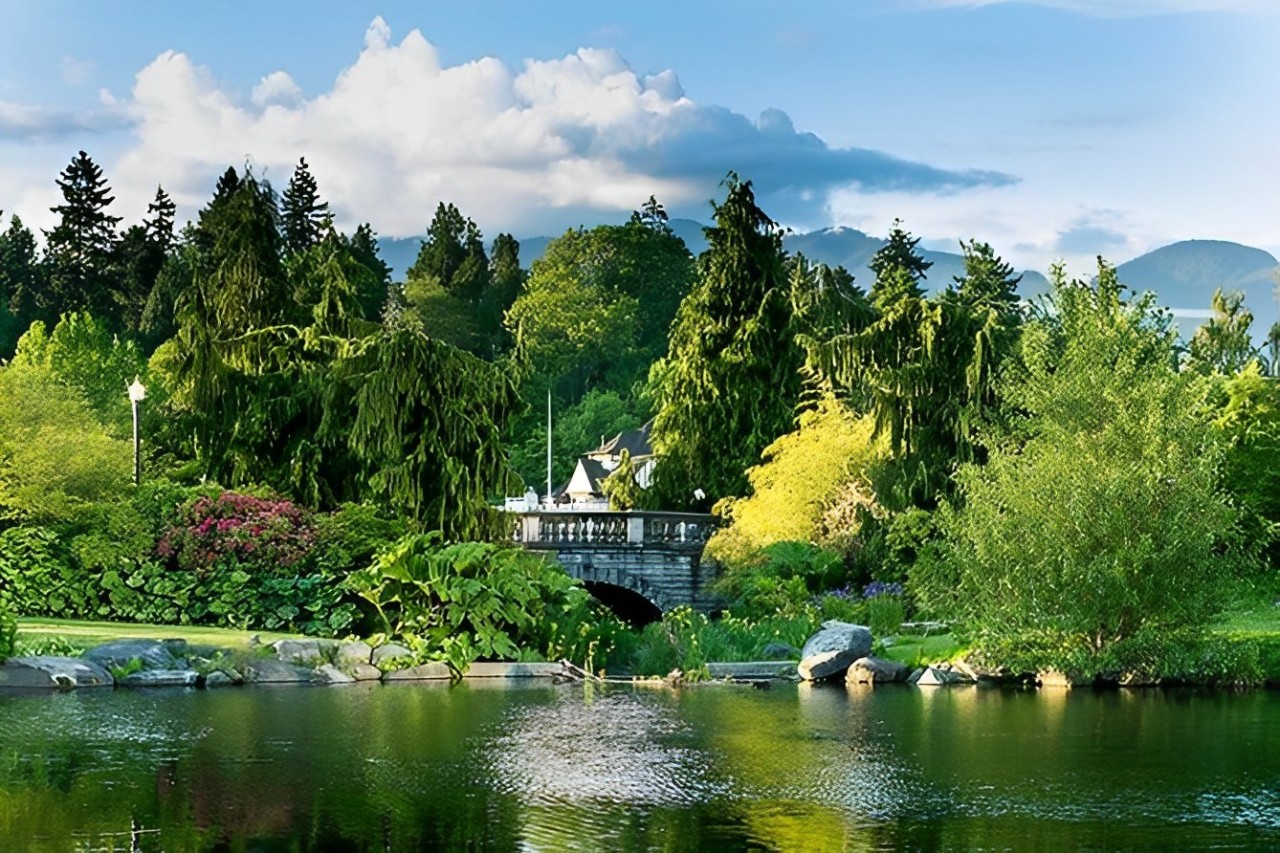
<point x="667" y="576"/>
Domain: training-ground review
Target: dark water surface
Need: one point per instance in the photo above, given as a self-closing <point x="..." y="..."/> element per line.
<point x="712" y="768"/>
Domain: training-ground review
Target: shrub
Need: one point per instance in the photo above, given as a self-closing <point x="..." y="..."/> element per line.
<point x="688" y="640"/>
<point x="469" y="601"/>
<point x="8" y="632"/>
<point x="263" y="534"/>
<point x="782" y="580"/>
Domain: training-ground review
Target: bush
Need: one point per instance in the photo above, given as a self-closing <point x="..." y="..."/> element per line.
<point x="783" y="580"/>
<point x="688" y="640"/>
<point x="8" y="632"/>
<point x="471" y="601"/>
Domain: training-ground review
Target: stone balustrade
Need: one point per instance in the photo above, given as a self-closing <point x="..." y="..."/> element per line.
<point x="552" y="529"/>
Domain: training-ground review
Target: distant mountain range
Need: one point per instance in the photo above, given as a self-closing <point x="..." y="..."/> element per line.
<point x="1183" y="275"/>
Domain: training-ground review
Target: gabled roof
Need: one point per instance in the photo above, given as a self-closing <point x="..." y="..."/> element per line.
<point x="595" y="473"/>
<point x="634" y="441"/>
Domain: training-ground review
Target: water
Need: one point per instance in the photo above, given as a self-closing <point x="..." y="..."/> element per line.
<point x="565" y="768"/>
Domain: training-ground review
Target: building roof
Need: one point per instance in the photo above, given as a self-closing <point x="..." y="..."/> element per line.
<point x="594" y="472"/>
<point x="634" y="441"/>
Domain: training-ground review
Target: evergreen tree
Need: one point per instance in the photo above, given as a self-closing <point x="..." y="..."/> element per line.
<point x="160" y="219"/>
<point x="730" y="381"/>
<point x="444" y="251"/>
<point x="372" y="289"/>
<point x="899" y="268"/>
<point x="1223" y="344"/>
<point x="140" y="255"/>
<point x="80" y="248"/>
<point x="304" y="216"/>
<point x="21" y="282"/>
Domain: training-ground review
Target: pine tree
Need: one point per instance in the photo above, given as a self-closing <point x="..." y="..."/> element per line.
<point x="372" y="291"/>
<point x="305" y="217"/>
<point x="730" y="381"/>
<point x="79" y="249"/>
<point x="160" y="219"/>
<point x="898" y="268"/>
<point x="444" y="251"/>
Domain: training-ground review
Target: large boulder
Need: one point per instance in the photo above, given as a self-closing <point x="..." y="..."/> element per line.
<point x="388" y="653"/>
<point x="831" y="651"/>
<point x="304" y="652"/>
<point x="46" y="672"/>
<point x="153" y="654"/>
<point x="271" y="671"/>
<point x="161" y="678"/>
<point x="871" y="670"/>
<point x="354" y="653"/>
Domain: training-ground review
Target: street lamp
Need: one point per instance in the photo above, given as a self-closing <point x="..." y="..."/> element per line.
<point x="137" y="393"/>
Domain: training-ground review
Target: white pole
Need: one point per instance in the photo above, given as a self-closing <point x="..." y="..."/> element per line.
<point x="548" y="448"/>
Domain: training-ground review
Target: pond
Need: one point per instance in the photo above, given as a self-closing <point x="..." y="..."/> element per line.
<point x="421" y="766"/>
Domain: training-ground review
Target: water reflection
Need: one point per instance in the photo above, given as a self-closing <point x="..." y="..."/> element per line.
<point x="794" y="768"/>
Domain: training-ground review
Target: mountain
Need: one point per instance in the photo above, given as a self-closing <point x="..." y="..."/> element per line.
<point x="1184" y="275"/>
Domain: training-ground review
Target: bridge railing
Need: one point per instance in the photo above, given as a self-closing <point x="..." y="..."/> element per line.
<point x="587" y="528"/>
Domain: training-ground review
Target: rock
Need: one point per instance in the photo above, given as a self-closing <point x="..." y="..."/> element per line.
<point x="219" y="678"/>
<point x="833" y="649"/>
<point x="780" y="651"/>
<point x="426" y="671"/>
<point x="871" y="670"/>
<point x="355" y="653"/>
<point x="932" y="676"/>
<point x="330" y="674"/>
<point x="365" y="672"/>
<point x="270" y="671"/>
<point x="161" y="678"/>
<point x="47" y="672"/>
<point x="120" y="653"/>
<point x="389" y="652"/>
<point x="303" y="652"/>
<point x="753" y="670"/>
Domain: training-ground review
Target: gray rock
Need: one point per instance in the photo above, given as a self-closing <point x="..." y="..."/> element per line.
<point x="330" y="674"/>
<point x="390" y="651"/>
<point x="355" y="653"/>
<point x="780" y="651"/>
<point x="753" y="670"/>
<point x="219" y="678"/>
<point x="423" y="672"/>
<point x="934" y="676"/>
<point x="303" y="652"/>
<point x="365" y="672"/>
<point x="118" y="653"/>
<point x="832" y="650"/>
<point x="161" y="678"/>
<point x="47" y="672"/>
<point x="269" y="671"/>
<point x="872" y="670"/>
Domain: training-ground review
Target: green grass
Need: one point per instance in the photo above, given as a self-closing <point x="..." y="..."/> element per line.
<point x="88" y="634"/>
<point x="1256" y="619"/>
<point x="915" y="650"/>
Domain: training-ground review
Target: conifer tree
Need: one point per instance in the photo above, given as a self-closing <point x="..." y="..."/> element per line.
<point x="730" y="381"/>
<point x="79" y="249"/>
<point x="305" y="218"/>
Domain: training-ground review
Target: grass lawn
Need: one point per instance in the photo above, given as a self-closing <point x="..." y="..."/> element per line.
<point x="1258" y="619"/>
<point x="86" y="635"/>
<point x="914" y="650"/>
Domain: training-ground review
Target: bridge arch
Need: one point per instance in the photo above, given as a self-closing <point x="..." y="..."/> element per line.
<point x="627" y="604"/>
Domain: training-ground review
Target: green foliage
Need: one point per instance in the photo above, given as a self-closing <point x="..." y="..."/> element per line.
<point x="8" y="632"/>
<point x="82" y="354"/>
<point x="687" y="640"/>
<point x="574" y="430"/>
<point x="621" y="487"/>
<point x="304" y="218"/>
<point x="782" y="580"/>
<point x="885" y="613"/>
<point x="810" y="486"/>
<point x="79" y="249"/>
<point x="730" y="381"/>
<point x="1249" y="424"/>
<point x="470" y="601"/>
<point x="1097" y="517"/>
<point x="55" y="457"/>
<point x="1223" y="344"/>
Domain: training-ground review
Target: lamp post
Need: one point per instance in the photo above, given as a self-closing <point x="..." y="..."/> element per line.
<point x="137" y="393"/>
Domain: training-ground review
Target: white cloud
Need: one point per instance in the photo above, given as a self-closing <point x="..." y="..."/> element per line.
<point x="75" y="71"/>
<point x="533" y="149"/>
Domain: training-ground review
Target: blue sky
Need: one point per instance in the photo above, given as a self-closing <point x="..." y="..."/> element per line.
<point x="1054" y="130"/>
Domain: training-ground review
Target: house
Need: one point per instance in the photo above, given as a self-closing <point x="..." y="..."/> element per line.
<point x="585" y="488"/>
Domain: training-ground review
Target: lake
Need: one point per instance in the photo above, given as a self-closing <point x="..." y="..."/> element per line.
<point x="429" y="767"/>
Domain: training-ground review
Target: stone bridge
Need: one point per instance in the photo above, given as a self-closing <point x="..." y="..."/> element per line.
<point x="619" y="555"/>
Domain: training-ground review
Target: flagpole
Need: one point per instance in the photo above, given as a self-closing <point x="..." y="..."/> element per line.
<point x="548" y="448"/>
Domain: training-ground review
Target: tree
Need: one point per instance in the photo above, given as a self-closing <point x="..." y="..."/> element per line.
<point x="371" y="289"/>
<point x="304" y="217"/>
<point x="80" y="247"/>
<point x="1097" y="519"/>
<point x="444" y="251"/>
<point x="140" y="256"/>
<point x="730" y="380"/>
<point x="1223" y="344"/>
<point x="21" y="281"/>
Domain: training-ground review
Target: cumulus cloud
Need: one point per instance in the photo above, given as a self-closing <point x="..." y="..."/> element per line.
<point x="577" y="137"/>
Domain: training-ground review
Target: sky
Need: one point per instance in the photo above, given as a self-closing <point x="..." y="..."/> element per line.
<point x="1054" y="130"/>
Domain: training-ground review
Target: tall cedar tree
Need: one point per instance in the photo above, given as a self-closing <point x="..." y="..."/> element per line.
<point x="730" y="381"/>
<point x="80" y="248"/>
<point x="21" y="281"/>
<point x="304" y="217"/>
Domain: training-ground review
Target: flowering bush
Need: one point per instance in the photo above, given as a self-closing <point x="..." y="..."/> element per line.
<point x="266" y="534"/>
<point x="878" y="588"/>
